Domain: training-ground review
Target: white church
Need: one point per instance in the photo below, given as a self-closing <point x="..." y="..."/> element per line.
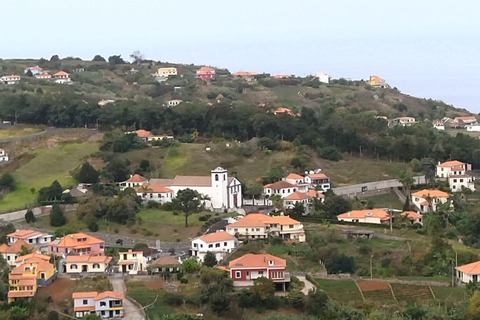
<point x="224" y="192"/>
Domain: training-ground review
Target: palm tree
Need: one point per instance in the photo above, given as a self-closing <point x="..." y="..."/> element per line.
<point x="407" y="180"/>
<point x="25" y="250"/>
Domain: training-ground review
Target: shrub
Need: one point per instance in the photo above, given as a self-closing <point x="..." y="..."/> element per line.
<point x="92" y="225"/>
<point x="205" y="217"/>
<point x="329" y="153"/>
<point x="184" y="280"/>
<point x="174" y="299"/>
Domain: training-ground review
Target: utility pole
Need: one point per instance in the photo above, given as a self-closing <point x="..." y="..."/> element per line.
<point x="371" y="267"/>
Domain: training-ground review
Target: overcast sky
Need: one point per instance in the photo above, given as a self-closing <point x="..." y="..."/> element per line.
<point x="425" y="48"/>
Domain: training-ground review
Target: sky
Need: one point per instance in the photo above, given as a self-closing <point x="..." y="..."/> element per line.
<point x="425" y="48"/>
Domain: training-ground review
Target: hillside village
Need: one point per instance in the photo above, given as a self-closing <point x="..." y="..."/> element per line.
<point x="151" y="190"/>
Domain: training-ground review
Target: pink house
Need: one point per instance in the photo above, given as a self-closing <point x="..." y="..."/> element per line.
<point x="79" y="243"/>
<point x="206" y="73"/>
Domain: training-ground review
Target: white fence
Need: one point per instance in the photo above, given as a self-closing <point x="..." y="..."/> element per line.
<point x="257" y="202"/>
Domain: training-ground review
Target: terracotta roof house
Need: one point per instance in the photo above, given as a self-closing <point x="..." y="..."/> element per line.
<point x="246" y="75"/>
<point x="107" y="305"/>
<point x="166" y="263"/>
<point x="220" y="243"/>
<point x="469" y="272"/>
<point x="134" y="181"/>
<point x="206" y="73"/>
<point x="304" y="198"/>
<point x="281" y="110"/>
<point x="132" y="262"/>
<point x="62" y="77"/>
<point x="316" y="178"/>
<point x="376" y="216"/>
<point x="87" y="264"/>
<point x="247" y="268"/>
<point x="282" y="188"/>
<point x="157" y="193"/>
<point x="260" y="226"/>
<point x="281" y="76"/>
<point x="457" y="174"/>
<point x="34" y="70"/>
<point x="11" y="252"/>
<point x="79" y="243"/>
<point x="30" y="236"/>
<point x="428" y="199"/>
<point x="376" y="81"/>
<point x="414" y="217"/>
<point x="10" y="79"/>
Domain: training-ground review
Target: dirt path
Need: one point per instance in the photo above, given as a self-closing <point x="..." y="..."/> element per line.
<point x="308" y="285"/>
<point x="130" y="309"/>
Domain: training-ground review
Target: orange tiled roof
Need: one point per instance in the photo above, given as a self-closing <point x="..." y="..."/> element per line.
<point x="378" y="213"/>
<point x="143" y="133"/>
<point x="110" y="294"/>
<point x="166" y="261"/>
<point x="376" y="77"/>
<point x="88" y="258"/>
<point x="280" y="76"/>
<point x="412" y="214"/>
<point x="61" y="73"/>
<point x="126" y="262"/>
<point x="247" y="223"/>
<point x="260" y="220"/>
<point x="154" y="188"/>
<point x="137" y="178"/>
<point x="257" y="260"/>
<point x="283" y="110"/>
<point x="217" y="236"/>
<point x="245" y="73"/>
<point x="35" y="256"/>
<point x="23" y="233"/>
<point x="466" y="118"/>
<point x="316" y="194"/>
<point x="85" y="294"/>
<point x="84" y="308"/>
<point x="434" y="193"/>
<point x="280" y="185"/>
<point x="30" y="281"/>
<point x="470" y="268"/>
<point x="318" y="176"/>
<point x="21" y="294"/>
<point x="71" y="240"/>
<point x="451" y="163"/>
<point x="16" y="246"/>
<point x="298" y="195"/>
<point x="294" y="176"/>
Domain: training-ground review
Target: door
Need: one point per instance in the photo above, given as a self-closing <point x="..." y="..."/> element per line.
<point x="235" y="200"/>
<point x="84" y="268"/>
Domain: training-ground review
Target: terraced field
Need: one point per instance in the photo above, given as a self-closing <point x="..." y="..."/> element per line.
<point x="411" y="293"/>
<point x="343" y="291"/>
<point x="376" y="291"/>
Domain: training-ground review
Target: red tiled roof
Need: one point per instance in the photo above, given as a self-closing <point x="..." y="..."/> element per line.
<point x="61" y="73"/>
<point x="143" y="133"/>
<point x="84" y="294"/>
<point x="21" y="294"/>
<point x="166" y="261"/>
<point x="110" y="294"/>
<point x="84" y="308"/>
<point x="245" y="73"/>
<point x="378" y="213"/>
<point x="217" y="236"/>
<point x="24" y="233"/>
<point x="137" y="178"/>
<point x="318" y="176"/>
<point x="16" y="247"/>
<point x="451" y="163"/>
<point x="294" y="176"/>
<point x="154" y="188"/>
<point x="412" y="215"/>
<point x="280" y="185"/>
<point x="298" y="195"/>
<point x="434" y="193"/>
<point x="257" y="260"/>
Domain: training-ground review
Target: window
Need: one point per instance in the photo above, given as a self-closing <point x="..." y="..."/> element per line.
<point x="195" y="245"/>
<point x="73" y="266"/>
<point x="201" y="246"/>
<point x="260" y="273"/>
<point x="270" y="262"/>
<point x="217" y="245"/>
<point x="130" y="267"/>
<point x="461" y="180"/>
<point x="96" y="266"/>
<point x="238" y="274"/>
<point x="224" y="244"/>
<point x="85" y="301"/>
<point x="210" y="245"/>
<point x="253" y="229"/>
<point x="103" y="304"/>
<point x="134" y="255"/>
<point x="216" y="177"/>
<point x="291" y="226"/>
<point x="258" y="229"/>
<point x="235" y="230"/>
<point x="117" y="312"/>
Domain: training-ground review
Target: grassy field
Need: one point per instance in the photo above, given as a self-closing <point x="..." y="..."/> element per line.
<point x="343" y="291"/>
<point x="449" y="293"/>
<point x="19" y="130"/>
<point x="387" y="200"/>
<point x="46" y="166"/>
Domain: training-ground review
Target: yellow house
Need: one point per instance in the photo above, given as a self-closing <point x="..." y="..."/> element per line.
<point x="132" y="262"/>
<point x="377" y="81"/>
<point x="27" y="277"/>
<point x="165" y="72"/>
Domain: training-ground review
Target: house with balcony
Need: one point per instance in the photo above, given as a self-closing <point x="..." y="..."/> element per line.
<point x="247" y="268"/>
<point x="260" y="226"/>
<point x="34" y="70"/>
<point x="77" y="243"/>
<point x="10" y="79"/>
<point x="167" y="263"/>
<point x="166" y="72"/>
<point x="107" y="304"/>
<point x="317" y="178"/>
<point x="36" y="238"/>
<point x="206" y="73"/>
<point x="62" y="77"/>
<point x="457" y="173"/>
<point x="157" y="193"/>
<point x="413" y="217"/>
<point x="11" y="252"/>
<point x="220" y="243"/>
<point x="86" y="265"/>
<point x="134" y="181"/>
<point x="304" y="198"/>
<point x="132" y="262"/>
<point x="24" y="280"/>
<point x="429" y="199"/>
<point x="377" y="82"/>
<point x="282" y="188"/>
<point x="464" y="122"/>
<point x="404" y="121"/>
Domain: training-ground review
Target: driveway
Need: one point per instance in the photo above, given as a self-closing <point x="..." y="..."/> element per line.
<point x="131" y="311"/>
<point x="308" y="285"/>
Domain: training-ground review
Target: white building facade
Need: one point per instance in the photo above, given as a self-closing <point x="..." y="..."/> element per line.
<point x="219" y="243"/>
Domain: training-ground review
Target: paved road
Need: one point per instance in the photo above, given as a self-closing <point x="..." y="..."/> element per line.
<point x="354" y="189"/>
<point x="308" y="285"/>
<point x="130" y="309"/>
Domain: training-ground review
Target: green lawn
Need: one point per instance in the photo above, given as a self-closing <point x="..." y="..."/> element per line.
<point x="19" y="130"/>
<point x="145" y="296"/>
<point x="49" y="164"/>
<point x="342" y="291"/>
<point x="419" y="278"/>
<point x="387" y="200"/>
<point x="449" y="293"/>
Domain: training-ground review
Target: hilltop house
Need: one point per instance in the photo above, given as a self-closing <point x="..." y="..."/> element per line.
<point x="174" y="102"/>
<point x="3" y="155"/>
<point x="463" y="122"/>
<point x="247" y="268"/>
<point x="427" y="199"/>
<point x="107" y="305"/>
<point x="376" y="81"/>
<point x="456" y="172"/>
<point x="323" y="77"/>
<point x="34" y="70"/>
<point x="281" y="76"/>
<point x="260" y="226"/>
<point x="282" y="188"/>
<point x="376" y="216"/>
<point x="147" y="136"/>
<point x="24" y="280"/>
<point x="11" y="252"/>
<point x="220" y="243"/>
<point x="246" y="75"/>
<point x="78" y="243"/>
<point x="43" y="76"/>
<point x="62" y="77"/>
<point x="132" y="262"/>
<point x="10" y="79"/>
<point x="34" y="256"/>
<point x="86" y="264"/>
<point x="36" y="238"/>
<point x="206" y="73"/>
<point x="404" y="121"/>
<point x="317" y="178"/>
<point x="283" y="110"/>
<point x="166" y="72"/>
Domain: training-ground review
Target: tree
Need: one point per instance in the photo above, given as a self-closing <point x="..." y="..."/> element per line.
<point x="57" y="218"/>
<point x="329" y="153"/>
<point x="406" y="205"/>
<point x="92" y="225"/>
<point x="277" y="200"/>
<point x="137" y="56"/>
<point x="18" y="313"/>
<point x="99" y="58"/>
<point x="190" y="265"/>
<point x="139" y="245"/>
<point x="54" y="58"/>
<point x="50" y="193"/>
<point x="210" y="260"/>
<point x="263" y="287"/>
<point x="298" y="210"/>
<point x="116" y="59"/>
<point x="7" y="182"/>
<point x="189" y="201"/>
<point x="145" y="165"/>
<point x="316" y="302"/>
<point x="116" y="170"/>
<point x="29" y="73"/>
<point x="29" y="216"/>
<point x="25" y="250"/>
<point x="407" y="180"/>
<point x="87" y="174"/>
<point x="473" y="312"/>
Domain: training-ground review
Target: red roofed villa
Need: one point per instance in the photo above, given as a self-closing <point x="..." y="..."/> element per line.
<point x="376" y="216"/>
<point x="421" y="199"/>
<point x="134" y="181"/>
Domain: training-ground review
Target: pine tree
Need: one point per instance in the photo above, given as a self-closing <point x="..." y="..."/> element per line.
<point x="57" y="218"/>
<point x="87" y="174"/>
<point x="210" y="260"/>
<point x="29" y="216"/>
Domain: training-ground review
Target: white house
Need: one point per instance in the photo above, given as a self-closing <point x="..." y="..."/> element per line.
<point x="11" y="252"/>
<point x="456" y="172"/>
<point x="134" y="181"/>
<point x="323" y="77"/>
<point x="260" y="226"/>
<point x="294" y="178"/>
<point x="10" y="79"/>
<point x="43" y="76"/>
<point x="62" y="77"/>
<point x="33" y="237"/>
<point x="469" y="272"/>
<point x="305" y="198"/>
<point x="464" y="121"/>
<point x="317" y="178"/>
<point x="3" y="155"/>
<point x="421" y="199"/>
<point x="414" y="217"/>
<point x="132" y="262"/>
<point x="376" y="216"/>
<point x="282" y="188"/>
<point x="34" y="70"/>
<point x="107" y="305"/>
<point x="157" y="193"/>
<point x="220" y="243"/>
<point x="86" y="264"/>
<point x="174" y="102"/>
<point x="404" y="121"/>
<point x="224" y="192"/>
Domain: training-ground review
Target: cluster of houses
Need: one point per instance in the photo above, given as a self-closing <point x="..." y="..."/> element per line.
<point x="38" y="73"/>
<point x="464" y="122"/>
